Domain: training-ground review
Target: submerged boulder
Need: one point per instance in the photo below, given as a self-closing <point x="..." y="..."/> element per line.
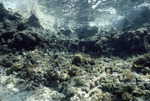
<point x="66" y="32"/>
<point x="21" y="40"/>
<point x="78" y="59"/>
<point x="33" y="21"/>
<point x="86" y="31"/>
<point x="22" y="26"/>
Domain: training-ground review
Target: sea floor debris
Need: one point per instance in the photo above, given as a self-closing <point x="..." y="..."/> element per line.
<point x="35" y="67"/>
<point x="36" y="76"/>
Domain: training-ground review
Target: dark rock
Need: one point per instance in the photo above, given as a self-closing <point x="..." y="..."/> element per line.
<point x="107" y="87"/>
<point x="8" y="14"/>
<point x="77" y="60"/>
<point x="129" y="42"/>
<point x="33" y="21"/>
<point x="88" y="46"/>
<point x="3" y="12"/>
<point x="66" y="32"/>
<point x="147" y="95"/>
<point x="73" y="46"/>
<point x="1" y="25"/>
<point x="142" y="19"/>
<point x="147" y="86"/>
<point x="22" y="26"/>
<point x="91" y="62"/>
<point x="8" y="61"/>
<point x="145" y="13"/>
<point x="142" y="64"/>
<point x="120" y="44"/>
<point x="21" y="40"/>
<point x="147" y="43"/>
<point x="13" y="16"/>
<point x="9" y="25"/>
<point x="75" y="71"/>
<point x="86" y="31"/>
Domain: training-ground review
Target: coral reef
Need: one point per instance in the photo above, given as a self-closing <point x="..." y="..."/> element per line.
<point x="44" y="67"/>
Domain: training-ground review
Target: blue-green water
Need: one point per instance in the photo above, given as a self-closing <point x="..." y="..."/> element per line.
<point x="75" y="13"/>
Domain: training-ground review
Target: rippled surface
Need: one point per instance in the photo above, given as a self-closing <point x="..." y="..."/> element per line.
<point x="76" y="13"/>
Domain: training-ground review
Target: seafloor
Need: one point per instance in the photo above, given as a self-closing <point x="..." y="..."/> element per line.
<point x="38" y="65"/>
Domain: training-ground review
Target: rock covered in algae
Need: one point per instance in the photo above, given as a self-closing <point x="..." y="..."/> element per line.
<point x="142" y="64"/>
<point x="78" y="59"/>
<point x="76" y="71"/>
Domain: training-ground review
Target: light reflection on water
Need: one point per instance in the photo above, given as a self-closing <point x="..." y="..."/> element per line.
<point x="66" y="13"/>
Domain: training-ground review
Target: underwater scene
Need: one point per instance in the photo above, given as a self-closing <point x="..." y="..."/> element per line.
<point x="74" y="50"/>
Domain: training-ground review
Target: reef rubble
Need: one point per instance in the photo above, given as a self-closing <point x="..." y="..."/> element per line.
<point x="111" y="66"/>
